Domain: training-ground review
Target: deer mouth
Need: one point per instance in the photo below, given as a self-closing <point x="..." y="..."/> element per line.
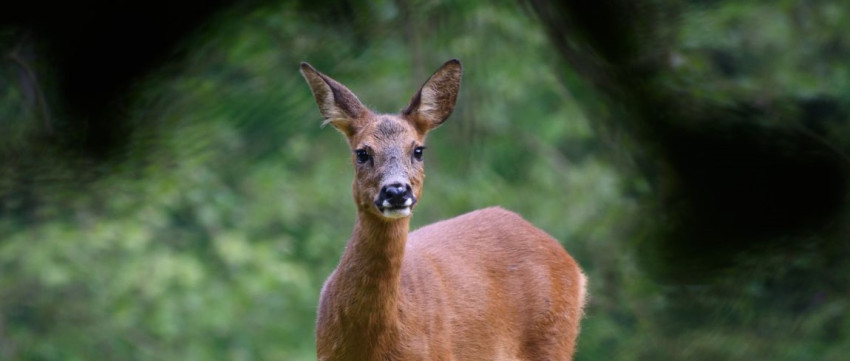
<point x="390" y="210"/>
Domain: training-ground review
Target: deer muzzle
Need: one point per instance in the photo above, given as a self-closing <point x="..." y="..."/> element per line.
<point x="395" y="200"/>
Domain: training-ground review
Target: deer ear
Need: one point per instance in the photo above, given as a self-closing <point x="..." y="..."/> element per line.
<point x="338" y="105"/>
<point x="435" y="100"/>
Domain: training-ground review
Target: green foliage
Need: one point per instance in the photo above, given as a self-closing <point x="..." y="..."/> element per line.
<point x="209" y="237"/>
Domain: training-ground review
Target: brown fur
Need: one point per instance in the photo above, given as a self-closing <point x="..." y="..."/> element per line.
<point x="486" y="285"/>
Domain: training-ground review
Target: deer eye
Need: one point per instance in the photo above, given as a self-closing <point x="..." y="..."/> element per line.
<point x="362" y="156"/>
<point x="418" y="152"/>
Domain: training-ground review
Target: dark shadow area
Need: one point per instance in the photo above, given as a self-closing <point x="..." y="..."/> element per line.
<point x="753" y="170"/>
<point x="96" y="51"/>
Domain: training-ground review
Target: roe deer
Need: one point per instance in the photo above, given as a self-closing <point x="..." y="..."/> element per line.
<point x="486" y="285"/>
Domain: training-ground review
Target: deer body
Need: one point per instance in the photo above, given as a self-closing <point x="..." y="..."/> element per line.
<point x="486" y="285"/>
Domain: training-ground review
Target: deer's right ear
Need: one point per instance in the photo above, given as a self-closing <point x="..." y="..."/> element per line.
<point x="338" y="105"/>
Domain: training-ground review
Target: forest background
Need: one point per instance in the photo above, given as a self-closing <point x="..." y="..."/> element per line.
<point x="185" y="204"/>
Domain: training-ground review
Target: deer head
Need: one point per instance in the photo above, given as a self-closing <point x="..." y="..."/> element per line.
<point x="387" y="149"/>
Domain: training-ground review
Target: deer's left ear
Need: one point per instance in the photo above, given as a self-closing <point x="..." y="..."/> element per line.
<point x="435" y="100"/>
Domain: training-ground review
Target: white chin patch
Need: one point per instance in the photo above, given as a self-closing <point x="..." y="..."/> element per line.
<point x="396" y="212"/>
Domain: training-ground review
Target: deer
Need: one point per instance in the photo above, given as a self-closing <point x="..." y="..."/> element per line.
<point x="486" y="285"/>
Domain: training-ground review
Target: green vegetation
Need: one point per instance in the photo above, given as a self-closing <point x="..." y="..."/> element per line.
<point x="208" y="235"/>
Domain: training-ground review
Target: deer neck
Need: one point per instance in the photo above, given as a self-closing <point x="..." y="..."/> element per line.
<point x="373" y="255"/>
<point x="364" y="295"/>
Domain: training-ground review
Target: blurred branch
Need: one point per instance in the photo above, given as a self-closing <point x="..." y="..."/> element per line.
<point x="7" y="349"/>
<point x="825" y="143"/>
<point x="411" y="33"/>
<point x="29" y="75"/>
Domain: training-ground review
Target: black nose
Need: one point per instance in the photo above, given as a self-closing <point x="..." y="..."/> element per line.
<point x="396" y="194"/>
